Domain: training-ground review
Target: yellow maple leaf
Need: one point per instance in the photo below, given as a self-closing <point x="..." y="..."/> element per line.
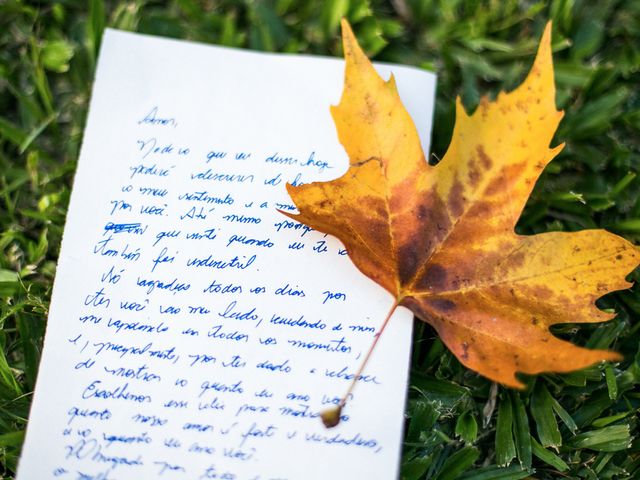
<point x="441" y="238"/>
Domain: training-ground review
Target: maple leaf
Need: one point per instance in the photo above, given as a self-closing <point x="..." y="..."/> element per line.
<point x="441" y="238"/>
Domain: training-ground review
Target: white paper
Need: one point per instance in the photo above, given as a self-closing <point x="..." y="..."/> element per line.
<point x="194" y="331"/>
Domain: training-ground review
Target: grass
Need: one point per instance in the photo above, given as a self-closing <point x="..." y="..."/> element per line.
<point x="581" y="425"/>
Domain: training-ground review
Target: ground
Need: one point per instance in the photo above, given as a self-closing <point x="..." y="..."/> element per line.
<point x="581" y="425"/>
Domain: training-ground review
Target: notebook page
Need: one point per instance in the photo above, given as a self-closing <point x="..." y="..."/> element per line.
<point x="194" y="331"/>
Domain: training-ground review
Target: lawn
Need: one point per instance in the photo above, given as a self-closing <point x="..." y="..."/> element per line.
<point x="581" y="425"/>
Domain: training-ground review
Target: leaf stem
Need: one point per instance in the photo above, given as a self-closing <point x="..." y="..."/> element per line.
<point x="331" y="417"/>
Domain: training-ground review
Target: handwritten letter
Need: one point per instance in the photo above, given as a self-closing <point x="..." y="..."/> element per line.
<point x="195" y="332"/>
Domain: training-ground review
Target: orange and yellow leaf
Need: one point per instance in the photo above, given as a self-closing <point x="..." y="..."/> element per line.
<point x="441" y="238"/>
